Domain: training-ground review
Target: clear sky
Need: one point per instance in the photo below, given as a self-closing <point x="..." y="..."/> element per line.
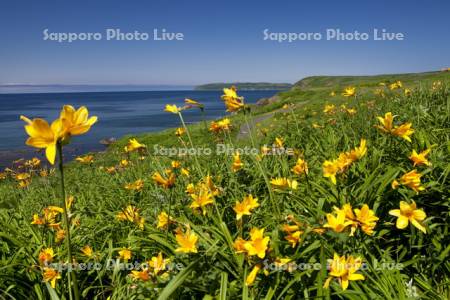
<point x="223" y="40"/>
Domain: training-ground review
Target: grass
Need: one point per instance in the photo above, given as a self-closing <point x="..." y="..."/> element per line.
<point x="216" y="271"/>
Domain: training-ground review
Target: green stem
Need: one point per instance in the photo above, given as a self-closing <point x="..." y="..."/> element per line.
<point x="269" y="187"/>
<point x="190" y="142"/>
<point x="72" y="276"/>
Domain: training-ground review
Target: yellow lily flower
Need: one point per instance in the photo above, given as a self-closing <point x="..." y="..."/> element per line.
<point x="134" y="145"/>
<point x="366" y="218"/>
<point x="202" y="199"/>
<point x="233" y="102"/>
<point x="349" y="92"/>
<point x="420" y="158"/>
<point x="187" y="241"/>
<point x="46" y="256"/>
<point x="165" y="183"/>
<point x="386" y="122"/>
<point x="339" y="222"/>
<point x="131" y="214"/>
<point x="411" y="180"/>
<point x="284" y="183"/>
<point x="257" y="244"/>
<point x="409" y="213"/>
<point x="244" y="208"/>
<point x="125" y="254"/>
<point x="237" y="163"/>
<point x="172" y="108"/>
<point x="42" y="135"/>
<point x="252" y="275"/>
<point x="76" y="122"/>
<point x="87" y="251"/>
<point x="85" y="159"/>
<point x="403" y="131"/>
<point x="164" y="220"/>
<point x="138" y="185"/>
<point x="51" y="275"/>
<point x="344" y="269"/>
<point x="300" y="167"/>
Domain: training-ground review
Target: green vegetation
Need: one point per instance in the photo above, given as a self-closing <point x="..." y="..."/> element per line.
<point x="416" y="264"/>
<point x="244" y="86"/>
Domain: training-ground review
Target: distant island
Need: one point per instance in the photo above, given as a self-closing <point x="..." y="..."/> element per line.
<point x="244" y="86"/>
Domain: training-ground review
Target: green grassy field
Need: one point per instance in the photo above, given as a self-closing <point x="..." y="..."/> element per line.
<point x="229" y="258"/>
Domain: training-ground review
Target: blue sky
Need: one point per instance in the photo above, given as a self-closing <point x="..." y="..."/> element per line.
<point x="223" y="40"/>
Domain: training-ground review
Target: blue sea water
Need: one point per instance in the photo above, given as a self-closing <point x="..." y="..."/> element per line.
<point x="119" y="114"/>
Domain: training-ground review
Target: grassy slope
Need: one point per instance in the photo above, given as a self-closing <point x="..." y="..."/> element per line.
<point x="99" y="196"/>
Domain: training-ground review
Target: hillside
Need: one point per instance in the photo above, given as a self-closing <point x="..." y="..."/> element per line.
<point x="244" y="86"/>
<point x="360" y="180"/>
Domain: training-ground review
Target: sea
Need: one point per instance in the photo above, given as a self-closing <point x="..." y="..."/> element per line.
<point x="119" y="114"/>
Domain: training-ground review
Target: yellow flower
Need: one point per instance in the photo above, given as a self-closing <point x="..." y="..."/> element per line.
<point x="252" y="275"/>
<point x="386" y="122"/>
<point x="138" y="185"/>
<point x="51" y="275"/>
<point x="329" y="109"/>
<point x="257" y="244"/>
<point x="233" y="102"/>
<point x="131" y="214"/>
<point x="190" y="188"/>
<point x="46" y="256"/>
<point x="193" y="103"/>
<point x="294" y="238"/>
<point x="125" y="253"/>
<point x="187" y="241"/>
<point x="85" y="159"/>
<point x="339" y="222"/>
<point x="60" y="235"/>
<point x="33" y="163"/>
<point x="185" y="172"/>
<point x="143" y="275"/>
<point x="300" y="167"/>
<point x="164" y="182"/>
<point x="330" y="169"/>
<point x="202" y="199"/>
<point x="366" y="218"/>
<point x="134" y="145"/>
<point x="333" y="93"/>
<point x="76" y="122"/>
<point x="349" y="92"/>
<point x="244" y="208"/>
<point x="43" y="135"/>
<point x="420" y="158"/>
<point x="172" y="108"/>
<point x="279" y="142"/>
<point x="344" y="270"/>
<point x="222" y="125"/>
<point x="158" y="264"/>
<point x="403" y="131"/>
<point x="411" y="180"/>
<point x="124" y="163"/>
<point x="238" y="245"/>
<point x="396" y="85"/>
<point x="237" y="163"/>
<point x="350" y="111"/>
<point x="284" y="183"/>
<point x="409" y="213"/>
<point x="358" y="152"/>
<point x="407" y="92"/>
<point x="317" y="126"/>
<point x="180" y="131"/>
<point x="87" y="251"/>
<point x="164" y="220"/>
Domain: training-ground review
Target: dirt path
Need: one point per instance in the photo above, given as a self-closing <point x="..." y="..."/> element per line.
<point x="244" y="130"/>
